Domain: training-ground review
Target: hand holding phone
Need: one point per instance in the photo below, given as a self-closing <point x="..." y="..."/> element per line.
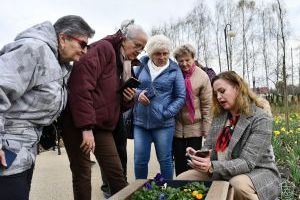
<point x="131" y="83"/>
<point x="10" y="156"/>
<point x="150" y="93"/>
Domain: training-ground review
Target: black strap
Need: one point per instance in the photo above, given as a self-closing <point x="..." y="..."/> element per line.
<point x="138" y="72"/>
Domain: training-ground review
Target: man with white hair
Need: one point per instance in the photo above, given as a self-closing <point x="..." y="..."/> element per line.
<point x="94" y="107"/>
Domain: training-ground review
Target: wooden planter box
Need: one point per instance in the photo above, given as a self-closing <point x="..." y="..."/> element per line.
<point x="217" y="190"/>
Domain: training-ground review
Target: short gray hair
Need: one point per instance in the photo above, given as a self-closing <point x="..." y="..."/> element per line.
<point x="156" y="43"/>
<point x="130" y="29"/>
<point x="73" y="25"/>
<point x="186" y="49"/>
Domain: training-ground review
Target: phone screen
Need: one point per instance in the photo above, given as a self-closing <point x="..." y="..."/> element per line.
<point x="10" y="156"/>
<point x="202" y="154"/>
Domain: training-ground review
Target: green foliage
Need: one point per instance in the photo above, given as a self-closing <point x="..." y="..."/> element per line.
<point x="192" y="191"/>
<point x="286" y="146"/>
<point x="287" y="191"/>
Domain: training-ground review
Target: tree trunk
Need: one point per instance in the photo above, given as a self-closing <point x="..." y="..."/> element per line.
<point x="284" y="68"/>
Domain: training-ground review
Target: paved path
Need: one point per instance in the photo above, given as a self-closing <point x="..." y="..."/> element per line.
<point x="52" y="175"/>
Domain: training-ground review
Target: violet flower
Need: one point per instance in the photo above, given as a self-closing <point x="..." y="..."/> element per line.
<point x="162" y="196"/>
<point x="159" y="179"/>
<point x="148" y="186"/>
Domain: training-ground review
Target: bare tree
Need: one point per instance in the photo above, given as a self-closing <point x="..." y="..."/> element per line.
<point x="219" y="10"/>
<point x="282" y="26"/>
<point x="265" y="47"/>
<point x="245" y="5"/>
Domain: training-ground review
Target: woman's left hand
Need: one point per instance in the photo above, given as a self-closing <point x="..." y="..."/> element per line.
<point x="200" y="164"/>
<point x="128" y="94"/>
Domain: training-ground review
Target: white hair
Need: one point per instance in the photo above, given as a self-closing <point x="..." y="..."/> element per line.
<point x="130" y="29"/>
<point x="156" y="43"/>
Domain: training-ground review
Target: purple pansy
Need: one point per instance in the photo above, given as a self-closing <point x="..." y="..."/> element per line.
<point x="148" y="186"/>
<point x="162" y="196"/>
<point x="159" y="179"/>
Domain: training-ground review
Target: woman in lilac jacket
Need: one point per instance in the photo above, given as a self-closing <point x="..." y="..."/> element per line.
<point x="160" y="97"/>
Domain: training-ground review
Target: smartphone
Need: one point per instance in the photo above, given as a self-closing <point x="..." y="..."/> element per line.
<point x="131" y="83"/>
<point x="10" y="156"/>
<point x="150" y="93"/>
<point x="202" y="153"/>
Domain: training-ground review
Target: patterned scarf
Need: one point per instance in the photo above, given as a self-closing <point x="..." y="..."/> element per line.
<point x="189" y="92"/>
<point x="226" y="133"/>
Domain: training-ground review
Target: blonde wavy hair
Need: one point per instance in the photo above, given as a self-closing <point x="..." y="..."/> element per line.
<point x="244" y="98"/>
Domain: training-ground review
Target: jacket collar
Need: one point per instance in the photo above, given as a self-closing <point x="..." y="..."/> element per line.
<point x="116" y="41"/>
<point x="239" y="130"/>
<point x="172" y="66"/>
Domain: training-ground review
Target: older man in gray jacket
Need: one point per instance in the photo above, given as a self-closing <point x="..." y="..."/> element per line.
<point x="33" y="70"/>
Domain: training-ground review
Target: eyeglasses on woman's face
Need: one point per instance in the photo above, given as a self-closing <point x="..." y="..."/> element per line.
<point x="83" y="44"/>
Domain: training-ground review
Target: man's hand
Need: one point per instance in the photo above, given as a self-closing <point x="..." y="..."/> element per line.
<point x="128" y="94"/>
<point x="88" y="142"/>
<point x="2" y="158"/>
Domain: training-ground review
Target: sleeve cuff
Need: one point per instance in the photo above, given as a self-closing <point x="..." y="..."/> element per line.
<point x="1" y="123"/>
<point x="87" y="128"/>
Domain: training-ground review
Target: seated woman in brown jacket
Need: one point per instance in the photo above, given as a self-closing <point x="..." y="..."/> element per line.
<point x="193" y="121"/>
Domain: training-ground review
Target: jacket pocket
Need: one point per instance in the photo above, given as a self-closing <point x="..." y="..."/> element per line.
<point x="157" y="113"/>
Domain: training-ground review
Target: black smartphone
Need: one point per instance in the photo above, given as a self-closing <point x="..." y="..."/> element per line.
<point x="150" y="93"/>
<point x="10" y="156"/>
<point x="202" y="153"/>
<point x="131" y="83"/>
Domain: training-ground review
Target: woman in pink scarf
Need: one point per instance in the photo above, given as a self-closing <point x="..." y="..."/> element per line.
<point x="193" y="121"/>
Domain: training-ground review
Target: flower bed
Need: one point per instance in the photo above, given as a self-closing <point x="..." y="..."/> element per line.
<point x="287" y="153"/>
<point x="138" y="190"/>
<point x="158" y="188"/>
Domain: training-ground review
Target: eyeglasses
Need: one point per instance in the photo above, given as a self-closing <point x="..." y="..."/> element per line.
<point x="138" y="46"/>
<point x="82" y="43"/>
<point x="161" y="54"/>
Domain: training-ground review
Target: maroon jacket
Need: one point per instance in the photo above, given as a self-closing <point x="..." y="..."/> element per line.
<point x="94" y="100"/>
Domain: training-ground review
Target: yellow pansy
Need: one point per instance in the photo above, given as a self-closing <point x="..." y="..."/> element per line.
<point x="276" y="133"/>
<point x="194" y="193"/>
<point x="282" y="129"/>
<point x="199" y="196"/>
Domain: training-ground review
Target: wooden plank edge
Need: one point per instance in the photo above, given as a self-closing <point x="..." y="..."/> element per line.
<point x="126" y="192"/>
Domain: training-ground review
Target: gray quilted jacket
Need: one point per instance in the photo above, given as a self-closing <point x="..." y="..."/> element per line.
<point x="32" y="92"/>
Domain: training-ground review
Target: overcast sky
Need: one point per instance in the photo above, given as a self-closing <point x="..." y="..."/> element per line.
<point x="105" y="15"/>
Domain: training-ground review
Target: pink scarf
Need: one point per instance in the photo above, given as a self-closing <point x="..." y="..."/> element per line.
<point x="189" y="92"/>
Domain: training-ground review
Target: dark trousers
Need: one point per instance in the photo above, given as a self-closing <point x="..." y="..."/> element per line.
<point x="17" y="186"/>
<point x="179" y="147"/>
<point x="105" y="153"/>
<point x="121" y="144"/>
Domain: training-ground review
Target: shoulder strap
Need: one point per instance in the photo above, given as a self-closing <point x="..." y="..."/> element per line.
<point x="137" y="74"/>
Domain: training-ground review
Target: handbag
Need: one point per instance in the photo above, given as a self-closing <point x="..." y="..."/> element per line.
<point x="51" y="134"/>
<point x="128" y="115"/>
<point x="48" y="137"/>
<point x="128" y="123"/>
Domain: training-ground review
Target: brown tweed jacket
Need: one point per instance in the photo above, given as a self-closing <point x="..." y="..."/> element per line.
<point x="250" y="151"/>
